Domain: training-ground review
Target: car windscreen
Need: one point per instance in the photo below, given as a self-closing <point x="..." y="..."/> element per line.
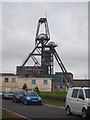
<point x="19" y="93"/>
<point x="87" y="93"/>
<point x="23" y="92"/>
<point x="8" y="92"/>
<point x="31" y="94"/>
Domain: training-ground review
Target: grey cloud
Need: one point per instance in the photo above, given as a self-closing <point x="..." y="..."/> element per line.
<point x="68" y="24"/>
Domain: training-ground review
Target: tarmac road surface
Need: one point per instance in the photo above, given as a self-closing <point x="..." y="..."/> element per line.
<point x="38" y="111"/>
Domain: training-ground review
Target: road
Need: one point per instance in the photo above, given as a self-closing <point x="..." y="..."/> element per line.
<point x="36" y="111"/>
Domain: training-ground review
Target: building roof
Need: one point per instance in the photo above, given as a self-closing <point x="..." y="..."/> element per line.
<point x="61" y="73"/>
<point x="7" y="74"/>
<point x="81" y="79"/>
<point x="81" y="82"/>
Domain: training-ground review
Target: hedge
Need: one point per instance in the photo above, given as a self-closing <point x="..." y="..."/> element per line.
<point x="54" y="96"/>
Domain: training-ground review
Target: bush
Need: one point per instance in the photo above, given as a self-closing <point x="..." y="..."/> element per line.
<point x="37" y="90"/>
<point x="24" y="87"/>
<point x="57" y="96"/>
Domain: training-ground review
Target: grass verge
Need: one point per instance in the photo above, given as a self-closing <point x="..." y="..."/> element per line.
<point x="7" y="115"/>
<point x="53" y="102"/>
<point x="54" y="98"/>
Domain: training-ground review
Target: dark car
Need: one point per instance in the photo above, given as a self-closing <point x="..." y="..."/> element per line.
<point x="7" y="95"/>
<point x="17" y="96"/>
<point x="31" y="97"/>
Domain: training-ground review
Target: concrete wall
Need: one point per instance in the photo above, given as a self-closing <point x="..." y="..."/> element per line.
<point x="59" y="86"/>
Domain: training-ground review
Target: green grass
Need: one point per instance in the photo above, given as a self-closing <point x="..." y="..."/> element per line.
<point x="54" y="98"/>
<point x="61" y="93"/>
<point x="53" y="102"/>
<point x="6" y="115"/>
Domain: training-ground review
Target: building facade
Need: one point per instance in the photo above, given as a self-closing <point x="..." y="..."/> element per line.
<point x="9" y="81"/>
<point x="81" y="82"/>
<point x="62" y="75"/>
<point x="13" y="82"/>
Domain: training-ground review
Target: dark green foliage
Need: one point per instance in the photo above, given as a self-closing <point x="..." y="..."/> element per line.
<point x="57" y="96"/>
<point x="37" y="90"/>
<point x="24" y="87"/>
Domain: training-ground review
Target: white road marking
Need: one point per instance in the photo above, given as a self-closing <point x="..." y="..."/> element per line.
<point x="54" y="106"/>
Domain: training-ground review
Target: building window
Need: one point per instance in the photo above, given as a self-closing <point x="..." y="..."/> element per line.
<point x="45" y="82"/>
<point x="33" y="81"/>
<point x="55" y="87"/>
<point x="6" y="80"/>
<point x="13" y="80"/>
<point x="61" y="87"/>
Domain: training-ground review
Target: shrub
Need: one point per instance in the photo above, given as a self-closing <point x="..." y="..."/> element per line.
<point x="58" y="96"/>
<point x="37" y="90"/>
<point x="24" y="87"/>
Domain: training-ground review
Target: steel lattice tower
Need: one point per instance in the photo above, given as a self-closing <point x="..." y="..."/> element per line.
<point x="46" y="50"/>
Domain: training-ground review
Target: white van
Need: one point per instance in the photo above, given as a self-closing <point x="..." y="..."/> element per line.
<point x="78" y="101"/>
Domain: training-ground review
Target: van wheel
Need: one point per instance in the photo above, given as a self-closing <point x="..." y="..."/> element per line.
<point x="68" y="111"/>
<point x="84" y="113"/>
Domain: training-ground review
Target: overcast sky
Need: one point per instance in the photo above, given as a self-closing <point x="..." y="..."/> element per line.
<point x="68" y="26"/>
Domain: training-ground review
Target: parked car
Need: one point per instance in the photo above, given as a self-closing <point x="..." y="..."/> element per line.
<point x="7" y="95"/>
<point x="78" y="101"/>
<point x="31" y="97"/>
<point x="1" y="92"/>
<point x="17" y="96"/>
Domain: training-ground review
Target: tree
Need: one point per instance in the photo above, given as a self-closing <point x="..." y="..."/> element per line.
<point x="37" y="89"/>
<point x="24" y="87"/>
